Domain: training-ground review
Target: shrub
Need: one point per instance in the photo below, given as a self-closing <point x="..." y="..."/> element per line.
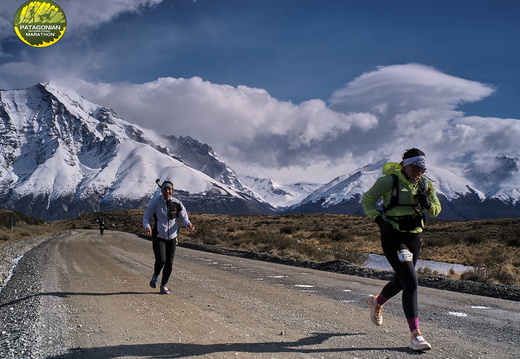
<point x="339" y="235"/>
<point x="475" y="275"/>
<point x="492" y="266"/>
<point x="503" y="276"/>
<point x="437" y="241"/>
<point x="265" y="239"/>
<point x="308" y="252"/>
<point x="287" y="230"/>
<point x="476" y="238"/>
<point x="485" y="275"/>
<point x="514" y="242"/>
<point x="452" y="274"/>
<point x="206" y="234"/>
<point x="428" y="272"/>
<point x="352" y="256"/>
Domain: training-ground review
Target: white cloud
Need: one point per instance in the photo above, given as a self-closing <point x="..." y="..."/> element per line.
<point x="417" y="107"/>
<point x="377" y="115"/>
<point x="92" y="13"/>
<point x="242" y="124"/>
<point x="81" y="15"/>
<point x="489" y="135"/>
<point x="21" y="73"/>
<point x="404" y="88"/>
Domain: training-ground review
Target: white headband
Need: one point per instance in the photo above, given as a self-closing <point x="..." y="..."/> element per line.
<point x="419" y="161"/>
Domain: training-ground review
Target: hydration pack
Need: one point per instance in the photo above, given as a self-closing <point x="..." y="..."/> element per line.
<point x="394" y="200"/>
<point x="406" y="223"/>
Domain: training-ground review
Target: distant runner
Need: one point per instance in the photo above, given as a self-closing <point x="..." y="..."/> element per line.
<point x="166" y="211"/>
<point x="101" y="226"/>
<point x="406" y="193"/>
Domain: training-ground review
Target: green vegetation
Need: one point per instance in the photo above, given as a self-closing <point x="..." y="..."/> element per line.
<point x="491" y="246"/>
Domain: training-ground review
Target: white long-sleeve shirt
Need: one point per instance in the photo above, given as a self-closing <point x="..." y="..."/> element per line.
<point x="166" y="228"/>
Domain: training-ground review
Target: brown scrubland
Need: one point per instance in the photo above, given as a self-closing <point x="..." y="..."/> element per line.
<point x="491" y="246"/>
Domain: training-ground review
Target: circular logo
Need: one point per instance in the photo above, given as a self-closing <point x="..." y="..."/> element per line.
<point x="40" y="23"/>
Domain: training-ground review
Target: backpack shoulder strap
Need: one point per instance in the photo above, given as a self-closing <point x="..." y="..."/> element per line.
<point x="422" y="184"/>
<point x="394" y="199"/>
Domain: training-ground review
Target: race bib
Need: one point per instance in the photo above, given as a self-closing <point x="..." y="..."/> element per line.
<point x="405" y="255"/>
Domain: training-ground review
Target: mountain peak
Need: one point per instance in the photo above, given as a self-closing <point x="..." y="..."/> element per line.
<point x="465" y="196"/>
<point x="66" y="156"/>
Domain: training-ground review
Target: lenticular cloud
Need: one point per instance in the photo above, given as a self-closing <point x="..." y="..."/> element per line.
<point x="416" y="106"/>
<point x="406" y="88"/>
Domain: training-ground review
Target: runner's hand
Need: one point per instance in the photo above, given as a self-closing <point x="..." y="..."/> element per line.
<point x="423" y="200"/>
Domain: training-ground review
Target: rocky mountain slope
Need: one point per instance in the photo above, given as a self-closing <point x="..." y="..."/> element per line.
<point x="475" y="194"/>
<point x="64" y="156"/>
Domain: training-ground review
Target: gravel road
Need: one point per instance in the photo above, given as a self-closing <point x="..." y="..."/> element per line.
<point x="87" y="296"/>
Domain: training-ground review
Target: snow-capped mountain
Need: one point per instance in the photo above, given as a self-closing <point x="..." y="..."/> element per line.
<point x="201" y="156"/>
<point x="63" y="156"/>
<point x="493" y="192"/>
<point x="280" y="195"/>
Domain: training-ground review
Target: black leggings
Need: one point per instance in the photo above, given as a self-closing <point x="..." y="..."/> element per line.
<point x="405" y="277"/>
<point x="164" y="252"/>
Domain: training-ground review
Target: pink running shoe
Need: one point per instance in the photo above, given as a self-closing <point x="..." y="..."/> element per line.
<point x="376" y="310"/>
<point x="418" y="343"/>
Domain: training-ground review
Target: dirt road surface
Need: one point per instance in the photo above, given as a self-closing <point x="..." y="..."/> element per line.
<point x="92" y="300"/>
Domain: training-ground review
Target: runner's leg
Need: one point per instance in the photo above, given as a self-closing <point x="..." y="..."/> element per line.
<point x="170" y="247"/>
<point x="405" y="278"/>
<point x="159" y="250"/>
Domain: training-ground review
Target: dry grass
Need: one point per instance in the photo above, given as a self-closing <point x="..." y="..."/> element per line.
<point x="493" y="246"/>
<point x="24" y="227"/>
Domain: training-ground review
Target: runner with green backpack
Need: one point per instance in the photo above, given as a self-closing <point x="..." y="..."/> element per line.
<point x="407" y="194"/>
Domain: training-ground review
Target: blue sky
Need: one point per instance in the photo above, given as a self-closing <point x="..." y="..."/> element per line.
<point x="292" y="88"/>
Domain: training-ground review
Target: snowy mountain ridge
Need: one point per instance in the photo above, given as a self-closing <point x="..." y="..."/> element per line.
<point x="280" y="195"/>
<point x="460" y="197"/>
<point x="64" y="156"/>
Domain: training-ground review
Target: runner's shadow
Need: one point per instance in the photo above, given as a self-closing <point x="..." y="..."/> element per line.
<point x="180" y="350"/>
